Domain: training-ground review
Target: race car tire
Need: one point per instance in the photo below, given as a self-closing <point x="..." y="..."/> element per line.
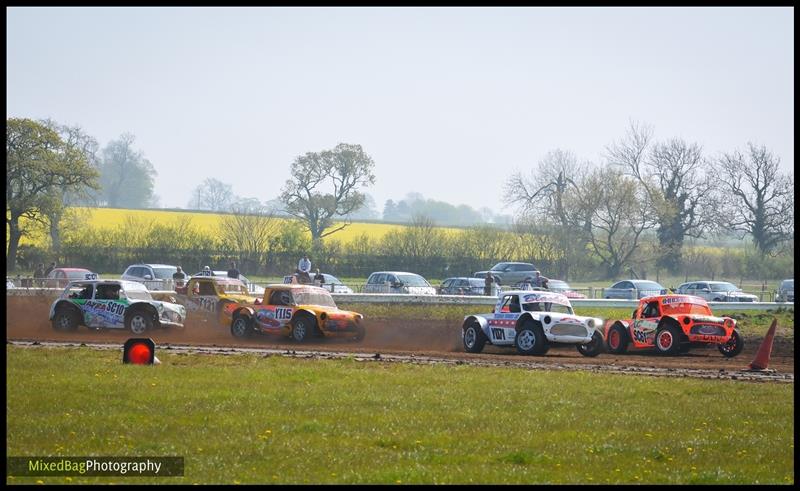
<point x="593" y="347"/>
<point x="360" y="333"/>
<point x="139" y="321"/>
<point x="617" y="339"/>
<point x="668" y="339"/>
<point x="530" y="339"/>
<point x="65" y="319"/>
<point x="302" y="327"/>
<point x="241" y="327"/>
<point x="474" y="339"/>
<point x="733" y="347"/>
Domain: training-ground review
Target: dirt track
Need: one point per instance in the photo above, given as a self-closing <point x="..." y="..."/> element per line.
<point x="27" y="320"/>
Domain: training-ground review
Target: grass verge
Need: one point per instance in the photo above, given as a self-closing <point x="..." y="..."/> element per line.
<point x="249" y="419"/>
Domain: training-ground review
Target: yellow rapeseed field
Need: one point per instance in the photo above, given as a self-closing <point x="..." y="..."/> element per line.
<point x="113" y="217"/>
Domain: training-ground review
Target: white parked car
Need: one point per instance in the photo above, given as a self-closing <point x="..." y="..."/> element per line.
<point x="530" y="321"/>
<point x="716" y="291"/>
<point x="153" y="276"/>
<point x="398" y="282"/>
<point x="785" y="291"/>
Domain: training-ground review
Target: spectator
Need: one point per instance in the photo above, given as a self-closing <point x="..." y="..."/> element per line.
<point x="304" y="270"/>
<point x="540" y="280"/>
<point x="38" y="274"/>
<point x="487" y="284"/>
<point x="233" y="272"/>
<point x="319" y="278"/>
<point x="50" y="268"/>
<point x="304" y="266"/>
<point x="179" y="277"/>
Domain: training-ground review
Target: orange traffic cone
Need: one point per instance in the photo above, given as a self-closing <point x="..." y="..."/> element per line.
<point x="761" y="361"/>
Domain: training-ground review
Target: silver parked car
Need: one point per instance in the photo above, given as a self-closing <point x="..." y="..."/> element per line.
<point x="716" y="291"/>
<point x="153" y="276"/>
<point x="398" y="282"/>
<point x="785" y="291"/>
<point x="510" y="273"/>
<point x="334" y="285"/>
<point x="633" y="289"/>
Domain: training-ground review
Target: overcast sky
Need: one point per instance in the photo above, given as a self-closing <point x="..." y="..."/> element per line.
<point x="447" y="101"/>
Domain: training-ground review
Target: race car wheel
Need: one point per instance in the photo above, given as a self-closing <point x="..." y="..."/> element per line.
<point x="139" y="321"/>
<point x="474" y="338"/>
<point x="241" y="327"/>
<point x="668" y="339"/>
<point x="360" y="333"/>
<point x="302" y="327"/>
<point x="530" y="339"/>
<point x="617" y="341"/>
<point x="593" y="347"/>
<point x="733" y="347"/>
<point x="65" y="320"/>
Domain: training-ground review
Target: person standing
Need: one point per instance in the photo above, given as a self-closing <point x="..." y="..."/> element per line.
<point x="179" y="277"/>
<point x="233" y="272"/>
<point x="38" y="274"/>
<point x="49" y="269"/>
<point x="540" y="281"/>
<point x="488" y="283"/>
<point x="318" y="278"/>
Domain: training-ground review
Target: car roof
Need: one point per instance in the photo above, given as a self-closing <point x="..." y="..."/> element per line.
<point x="293" y="286"/>
<point x="154" y="265"/>
<point x="71" y="269"/>
<point x="687" y="299"/>
<point x="395" y="272"/>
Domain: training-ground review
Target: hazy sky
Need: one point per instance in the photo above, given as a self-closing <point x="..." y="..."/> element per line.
<point x="447" y="101"/>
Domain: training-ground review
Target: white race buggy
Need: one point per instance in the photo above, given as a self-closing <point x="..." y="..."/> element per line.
<point x="530" y="321"/>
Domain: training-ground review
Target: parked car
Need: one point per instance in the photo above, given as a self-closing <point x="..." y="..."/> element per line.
<point x="530" y="321"/>
<point x="510" y="273"/>
<point x="60" y="277"/>
<point x="333" y="285"/>
<point x="113" y="304"/>
<point x="153" y="276"/>
<point x="785" y="291"/>
<point x="9" y="284"/>
<point x="398" y="282"/>
<point x="301" y="312"/>
<point x="462" y="286"/>
<point x="672" y="324"/>
<point x="633" y="289"/>
<point x="716" y="291"/>
<point x="563" y="288"/>
<point x="251" y="287"/>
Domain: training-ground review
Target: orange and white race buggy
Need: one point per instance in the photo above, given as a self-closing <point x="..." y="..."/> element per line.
<point x="672" y="324"/>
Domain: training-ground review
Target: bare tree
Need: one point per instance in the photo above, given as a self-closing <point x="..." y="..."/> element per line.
<point x="325" y="185"/>
<point x="681" y="191"/>
<point x="618" y="212"/>
<point x="763" y="199"/>
<point x="212" y="194"/>
<point x="542" y="195"/>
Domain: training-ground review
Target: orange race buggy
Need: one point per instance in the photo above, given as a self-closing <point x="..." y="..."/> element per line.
<point x="672" y="324"/>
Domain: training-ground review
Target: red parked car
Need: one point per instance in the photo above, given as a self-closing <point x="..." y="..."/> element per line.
<point x="60" y="277"/>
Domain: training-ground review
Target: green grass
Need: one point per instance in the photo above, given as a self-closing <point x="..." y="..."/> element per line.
<point x="250" y="419"/>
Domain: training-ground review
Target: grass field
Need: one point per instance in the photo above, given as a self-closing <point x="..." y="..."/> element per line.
<point x="250" y="419"/>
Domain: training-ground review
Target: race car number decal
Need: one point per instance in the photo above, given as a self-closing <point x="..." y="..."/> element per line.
<point x="283" y="314"/>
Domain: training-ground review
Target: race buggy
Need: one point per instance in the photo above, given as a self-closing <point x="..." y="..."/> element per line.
<point x="113" y="304"/>
<point x="212" y="295"/>
<point x="531" y="321"/>
<point x="673" y="324"/>
<point x="296" y="311"/>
